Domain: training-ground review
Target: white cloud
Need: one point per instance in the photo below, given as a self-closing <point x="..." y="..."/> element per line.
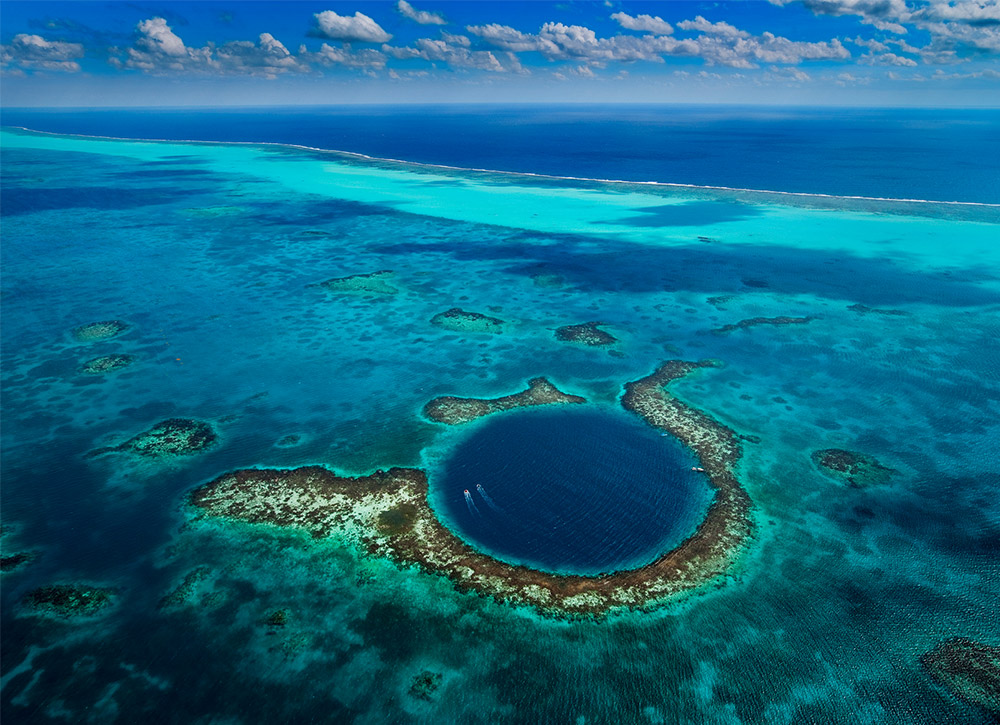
<point x="159" y="51"/>
<point x="887" y="59"/>
<point x="268" y="58"/>
<point x="454" y="54"/>
<point x="506" y="37"/>
<point x="33" y="52"/>
<point x="157" y="38"/>
<point x="455" y="39"/>
<point x="722" y="28"/>
<point x="358" y="27"/>
<point x="420" y="16"/>
<point x="366" y="58"/>
<point x="883" y="14"/>
<point x="787" y="74"/>
<point x="645" y="23"/>
<point x="723" y="45"/>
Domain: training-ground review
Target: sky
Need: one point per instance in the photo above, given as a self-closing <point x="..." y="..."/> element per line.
<point x="929" y="53"/>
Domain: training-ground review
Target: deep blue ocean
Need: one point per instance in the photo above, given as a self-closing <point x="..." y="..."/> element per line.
<point x="213" y="255"/>
<point x="942" y="155"/>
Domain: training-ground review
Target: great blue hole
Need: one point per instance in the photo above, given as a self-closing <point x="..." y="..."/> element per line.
<point x="571" y="491"/>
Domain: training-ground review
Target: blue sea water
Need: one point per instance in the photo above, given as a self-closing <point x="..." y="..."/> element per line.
<point x="938" y="154"/>
<point x="210" y="252"/>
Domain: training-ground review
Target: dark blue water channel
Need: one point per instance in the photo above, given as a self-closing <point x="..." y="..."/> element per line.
<point x="572" y="491"/>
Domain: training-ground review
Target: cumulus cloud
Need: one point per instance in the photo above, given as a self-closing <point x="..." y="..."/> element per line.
<point x="886" y="59"/>
<point x="883" y="14"/>
<point x="720" y="44"/>
<point x="645" y="23"/>
<point x="722" y="28"/>
<point x="358" y="27"/>
<point x="420" y="16"/>
<point x="33" y="52"/>
<point x="366" y="58"/>
<point x="268" y="58"/>
<point x="158" y="50"/>
<point x="452" y="50"/>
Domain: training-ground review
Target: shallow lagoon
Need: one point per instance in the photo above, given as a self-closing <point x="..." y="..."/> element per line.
<point x="208" y="253"/>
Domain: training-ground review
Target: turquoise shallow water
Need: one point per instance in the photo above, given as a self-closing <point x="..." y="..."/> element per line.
<point x="208" y="253"/>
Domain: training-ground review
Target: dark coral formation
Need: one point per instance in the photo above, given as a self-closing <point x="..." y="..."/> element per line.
<point x="587" y="333"/>
<point x="107" y="364"/>
<point x="389" y="514"/>
<point x="171" y="437"/>
<point x="866" y="310"/>
<point x="100" y="330"/>
<point x="755" y="321"/>
<point x="69" y="600"/>
<point x="372" y="283"/>
<point x="856" y="469"/>
<point x="425" y="684"/>
<point x="184" y="592"/>
<point x="15" y="560"/>
<point x="453" y="410"/>
<point x="277" y="618"/>
<point x="289" y="441"/>
<point x="969" y="669"/>
<point x="458" y="320"/>
<point x="720" y="300"/>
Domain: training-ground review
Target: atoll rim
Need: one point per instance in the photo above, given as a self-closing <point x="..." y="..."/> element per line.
<point x="389" y="514"/>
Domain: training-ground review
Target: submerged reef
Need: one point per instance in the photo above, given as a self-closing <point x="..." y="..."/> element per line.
<point x="387" y="513"/>
<point x="856" y="469"/>
<point x="15" y="560"/>
<point x="453" y="410"/>
<point x="458" y="320"/>
<point x="969" y="669"/>
<point x="69" y="600"/>
<point x="425" y="684"/>
<point x="587" y="333"/>
<point x="866" y="310"/>
<point x="755" y="321"/>
<point x="372" y="283"/>
<point x="184" y="592"/>
<point x="107" y="364"/>
<point x="171" y="437"/>
<point x="100" y="330"/>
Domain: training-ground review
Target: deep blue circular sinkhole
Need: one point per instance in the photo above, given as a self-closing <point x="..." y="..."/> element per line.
<point x="575" y="491"/>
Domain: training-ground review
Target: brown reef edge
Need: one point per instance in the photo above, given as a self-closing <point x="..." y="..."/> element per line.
<point x="388" y="514"/>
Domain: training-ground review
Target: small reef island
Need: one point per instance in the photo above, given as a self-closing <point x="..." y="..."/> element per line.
<point x="95" y="331"/>
<point x="171" y="437"/>
<point x="388" y="513"/>
<point x="857" y="470"/>
<point x="372" y="283"/>
<point x="587" y="333"/>
<point x="69" y="601"/>
<point x="458" y="320"/>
